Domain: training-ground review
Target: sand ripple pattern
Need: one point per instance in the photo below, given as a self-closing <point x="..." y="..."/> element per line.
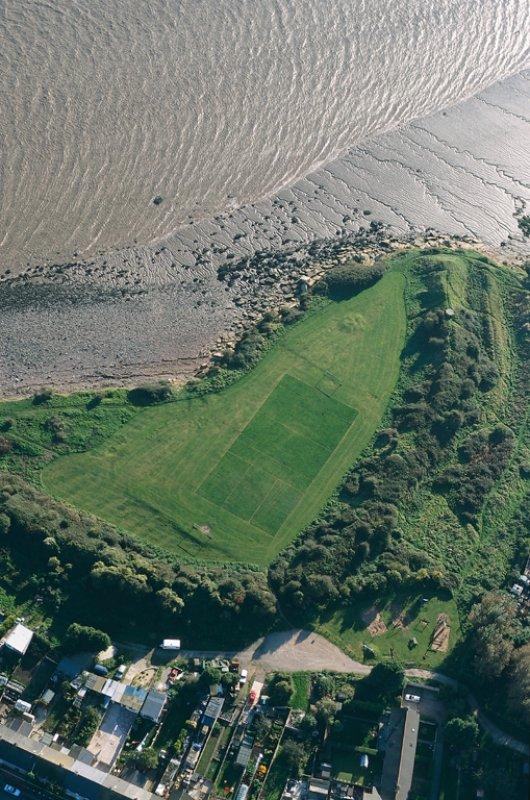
<point x="213" y="103"/>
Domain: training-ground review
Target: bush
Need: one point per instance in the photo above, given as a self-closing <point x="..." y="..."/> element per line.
<point x="150" y="393"/>
<point x="345" y="281"/>
<point x="43" y="395"/>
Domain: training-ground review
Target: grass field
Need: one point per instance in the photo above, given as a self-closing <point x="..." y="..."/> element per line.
<point x="236" y="475"/>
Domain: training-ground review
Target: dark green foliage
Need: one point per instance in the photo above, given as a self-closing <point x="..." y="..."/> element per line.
<point x="87" y="726"/>
<point x="83" y="638"/>
<point x="494" y="624"/>
<point x="294" y="755"/>
<point x="462" y="734"/>
<point x="342" y="282"/>
<point x="483" y="457"/>
<point x="323" y="686"/>
<point x="524" y="225"/>
<point x="385" y="680"/>
<point x="434" y="439"/>
<point x="210" y="676"/>
<point x="44" y="395"/>
<point x="280" y="689"/>
<point x="144" y="760"/>
<point x="150" y="393"/>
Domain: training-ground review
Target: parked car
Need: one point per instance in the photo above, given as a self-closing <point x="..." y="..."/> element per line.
<point x="175" y="674"/>
<point x="243" y="676"/>
<point x="101" y="670"/>
<point x="120" y="672"/>
<point x="12" y="790"/>
<point x="413" y="698"/>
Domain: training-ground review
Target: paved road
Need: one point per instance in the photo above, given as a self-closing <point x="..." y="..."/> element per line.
<point x="297" y="650"/>
<point x="28" y="790"/>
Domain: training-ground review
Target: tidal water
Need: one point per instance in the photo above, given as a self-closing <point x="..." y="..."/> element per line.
<point x="211" y="104"/>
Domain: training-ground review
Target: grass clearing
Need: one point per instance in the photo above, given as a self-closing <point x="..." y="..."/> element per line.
<point x="302" y="687"/>
<point x="405" y="616"/>
<point x="236" y="475"/>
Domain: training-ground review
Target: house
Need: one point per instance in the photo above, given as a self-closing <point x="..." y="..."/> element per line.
<point x="69" y="768"/>
<point x="153" y="706"/>
<point x="18" y="639"/>
<point x="400" y="753"/>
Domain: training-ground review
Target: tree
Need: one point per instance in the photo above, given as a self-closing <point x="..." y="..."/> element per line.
<point x="43" y="395"/>
<point x="386" y="679"/>
<point x="145" y="759"/>
<point x="323" y="686"/>
<point x="210" y="676"/>
<point x="519" y="686"/>
<point x="280" y="689"/>
<point x="294" y="756"/>
<point x="87" y="727"/>
<point x="308" y="726"/>
<point x="325" y="711"/>
<point x="492" y="639"/>
<point x="83" y="638"/>
<point x="229" y="680"/>
<point x="462" y="733"/>
<point x="150" y="393"/>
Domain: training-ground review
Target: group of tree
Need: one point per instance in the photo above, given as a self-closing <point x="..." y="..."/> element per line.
<point x="83" y="638"/>
<point x="496" y="632"/>
<point x="358" y="547"/>
<point x="97" y="575"/>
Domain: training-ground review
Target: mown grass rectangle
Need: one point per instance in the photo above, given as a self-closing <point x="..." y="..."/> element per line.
<point x="278" y="449"/>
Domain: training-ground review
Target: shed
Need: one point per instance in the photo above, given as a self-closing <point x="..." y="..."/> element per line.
<point x="47" y="697"/>
<point x="18" y="639"/>
<point x="153" y="706"/>
<point x="213" y="711"/>
<point x="244" y="752"/>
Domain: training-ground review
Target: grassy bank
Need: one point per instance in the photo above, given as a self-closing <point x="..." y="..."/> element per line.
<point x="237" y="475"/>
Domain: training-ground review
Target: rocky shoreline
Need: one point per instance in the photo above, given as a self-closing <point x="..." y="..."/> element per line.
<point x="230" y="301"/>
<point x="161" y="310"/>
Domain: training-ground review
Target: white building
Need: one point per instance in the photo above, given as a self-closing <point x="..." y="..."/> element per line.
<point x="18" y="639"/>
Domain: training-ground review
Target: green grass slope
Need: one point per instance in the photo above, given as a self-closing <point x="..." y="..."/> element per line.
<point x="236" y="475"/>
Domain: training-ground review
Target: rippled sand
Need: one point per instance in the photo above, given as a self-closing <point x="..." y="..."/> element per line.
<point x="215" y="103"/>
<point x="158" y="309"/>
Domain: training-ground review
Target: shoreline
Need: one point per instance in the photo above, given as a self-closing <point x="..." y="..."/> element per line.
<point x="159" y="311"/>
<point x="303" y="267"/>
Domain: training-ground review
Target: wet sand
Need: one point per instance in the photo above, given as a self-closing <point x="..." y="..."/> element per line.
<point x="161" y="309"/>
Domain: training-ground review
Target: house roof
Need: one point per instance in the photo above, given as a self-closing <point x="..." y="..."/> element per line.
<point x="153" y="705"/>
<point x="19" y="638"/>
<point x="408" y="753"/>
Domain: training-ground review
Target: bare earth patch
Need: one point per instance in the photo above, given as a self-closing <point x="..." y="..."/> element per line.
<point x="373" y="621"/>
<point x="440" y="637"/>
